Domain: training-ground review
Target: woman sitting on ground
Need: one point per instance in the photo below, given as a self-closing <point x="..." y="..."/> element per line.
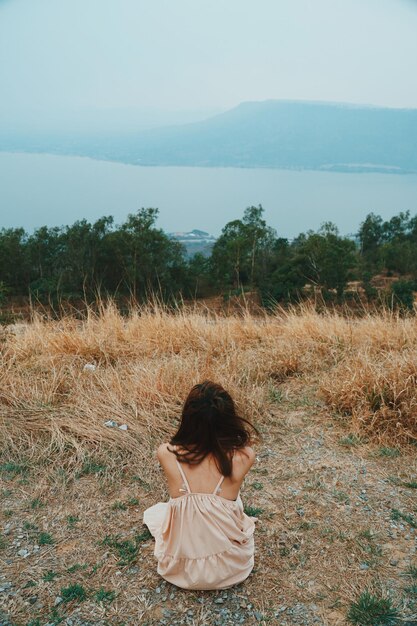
<point x="204" y="540"/>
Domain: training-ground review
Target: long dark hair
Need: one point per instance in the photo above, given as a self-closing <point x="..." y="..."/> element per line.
<point x="210" y="425"/>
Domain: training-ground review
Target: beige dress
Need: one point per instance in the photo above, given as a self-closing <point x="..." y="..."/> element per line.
<point x="202" y="540"/>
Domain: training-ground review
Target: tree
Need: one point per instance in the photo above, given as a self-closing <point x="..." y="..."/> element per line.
<point x="44" y="251"/>
<point x="371" y="237"/>
<point x="325" y="258"/>
<point x="240" y="255"/>
<point x="229" y="255"/>
<point x="199" y="281"/>
<point x="83" y="256"/>
<point x="284" y="280"/>
<point x="403" y="294"/>
<point x="14" y="269"/>
<point x="145" y="259"/>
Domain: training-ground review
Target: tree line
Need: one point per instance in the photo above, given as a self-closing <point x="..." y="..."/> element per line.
<point x="137" y="259"/>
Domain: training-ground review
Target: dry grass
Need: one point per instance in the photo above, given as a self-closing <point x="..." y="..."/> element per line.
<point x="147" y="362"/>
<point x="289" y="374"/>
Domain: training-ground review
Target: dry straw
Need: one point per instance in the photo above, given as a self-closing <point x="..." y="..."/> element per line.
<point x="52" y="408"/>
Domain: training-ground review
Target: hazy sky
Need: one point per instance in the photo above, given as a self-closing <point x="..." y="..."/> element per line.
<point x="58" y="57"/>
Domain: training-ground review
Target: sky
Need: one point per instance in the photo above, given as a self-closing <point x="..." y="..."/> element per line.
<point x="178" y="60"/>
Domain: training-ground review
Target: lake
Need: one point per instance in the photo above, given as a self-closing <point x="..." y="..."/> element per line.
<point x="39" y="189"/>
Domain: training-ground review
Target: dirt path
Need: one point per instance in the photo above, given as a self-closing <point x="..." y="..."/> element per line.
<point x="335" y="515"/>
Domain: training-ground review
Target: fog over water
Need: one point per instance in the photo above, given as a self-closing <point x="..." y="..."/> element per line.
<point x="104" y="68"/>
<point x="39" y="189"/>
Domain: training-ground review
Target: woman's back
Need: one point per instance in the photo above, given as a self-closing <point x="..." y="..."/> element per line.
<point x="204" y="540"/>
<point x="204" y="476"/>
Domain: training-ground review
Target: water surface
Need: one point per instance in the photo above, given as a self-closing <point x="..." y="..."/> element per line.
<point x="38" y="189"/>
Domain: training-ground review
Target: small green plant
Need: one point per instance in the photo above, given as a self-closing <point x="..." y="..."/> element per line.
<point x="307" y="525"/>
<point x="261" y="470"/>
<point x="411" y="485"/>
<point x="275" y="395"/>
<point x="253" y="511"/>
<point x="45" y="539"/>
<point x="341" y="496"/>
<point x="369" y="610"/>
<point x="142" y="483"/>
<point x="368" y="546"/>
<point x="72" y="520"/>
<point x="7" y="512"/>
<point x="76" y="567"/>
<point x="412" y="590"/>
<point x="96" y="567"/>
<point x="350" y="440"/>
<point x="133" y="501"/>
<point x="394" y="480"/>
<point x="91" y="467"/>
<point x="2" y="543"/>
<point x="6" y="493"/>
<point x="73" y="592"/>
<point x="314" y="484"/>
<point x="36" y="503"/>
<point x="143" y="536"/>
<point x="126" y="549"/>
<point x="14" y="468"/>
<point x="366" y="534"/>
<point x="34" y="622"/>
<point x="104" y="596"/>
<point x="119" y="506"/>
<point x="54" y="618"/>
<point x="411" y="572"/>
<point x="397" y="515"/>
<point x="29" y="584"/>
<point x="49" y="576"/>
<point x="389" y="452"/>
<point x="257" y="486"/>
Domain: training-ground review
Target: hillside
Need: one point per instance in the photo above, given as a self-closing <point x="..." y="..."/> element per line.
<point x="271" y="134"/>
<point x="333" y="486"/>
<point x="289" y="135"/>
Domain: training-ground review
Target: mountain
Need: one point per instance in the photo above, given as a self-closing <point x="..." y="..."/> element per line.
<point x="195" y="241"/>
<point x="272" y="134"/>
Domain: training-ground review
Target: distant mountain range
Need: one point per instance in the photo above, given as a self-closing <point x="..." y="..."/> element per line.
<point x="270" y="134"/>
<point x="195" y="241"/>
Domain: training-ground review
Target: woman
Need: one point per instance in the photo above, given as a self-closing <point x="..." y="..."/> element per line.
<point x="203" y="538"/>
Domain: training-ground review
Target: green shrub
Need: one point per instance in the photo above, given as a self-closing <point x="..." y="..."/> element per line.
<point x="126" y="549"/>
<point x="45" y="539"/>
<point x="370" y="610"/>
<point x="390" y="452"/>
<point x="73" y="592"/>
<point x="104" y="596"/>
<point x="253" y="511"/>
<point x="397" y="516"/>
<point x="13" y="468"/>
<point x="403" y="294"/>
<point x="90" y="466"/>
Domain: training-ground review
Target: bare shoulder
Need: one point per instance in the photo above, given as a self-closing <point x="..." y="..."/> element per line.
<point x="162" y="452"/>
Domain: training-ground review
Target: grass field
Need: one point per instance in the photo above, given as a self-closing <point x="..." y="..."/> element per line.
<point x="334" y="485"/>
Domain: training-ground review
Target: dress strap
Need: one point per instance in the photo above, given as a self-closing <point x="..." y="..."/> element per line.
<point x="217" y="487"/>
<point x="186" y="485"/>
